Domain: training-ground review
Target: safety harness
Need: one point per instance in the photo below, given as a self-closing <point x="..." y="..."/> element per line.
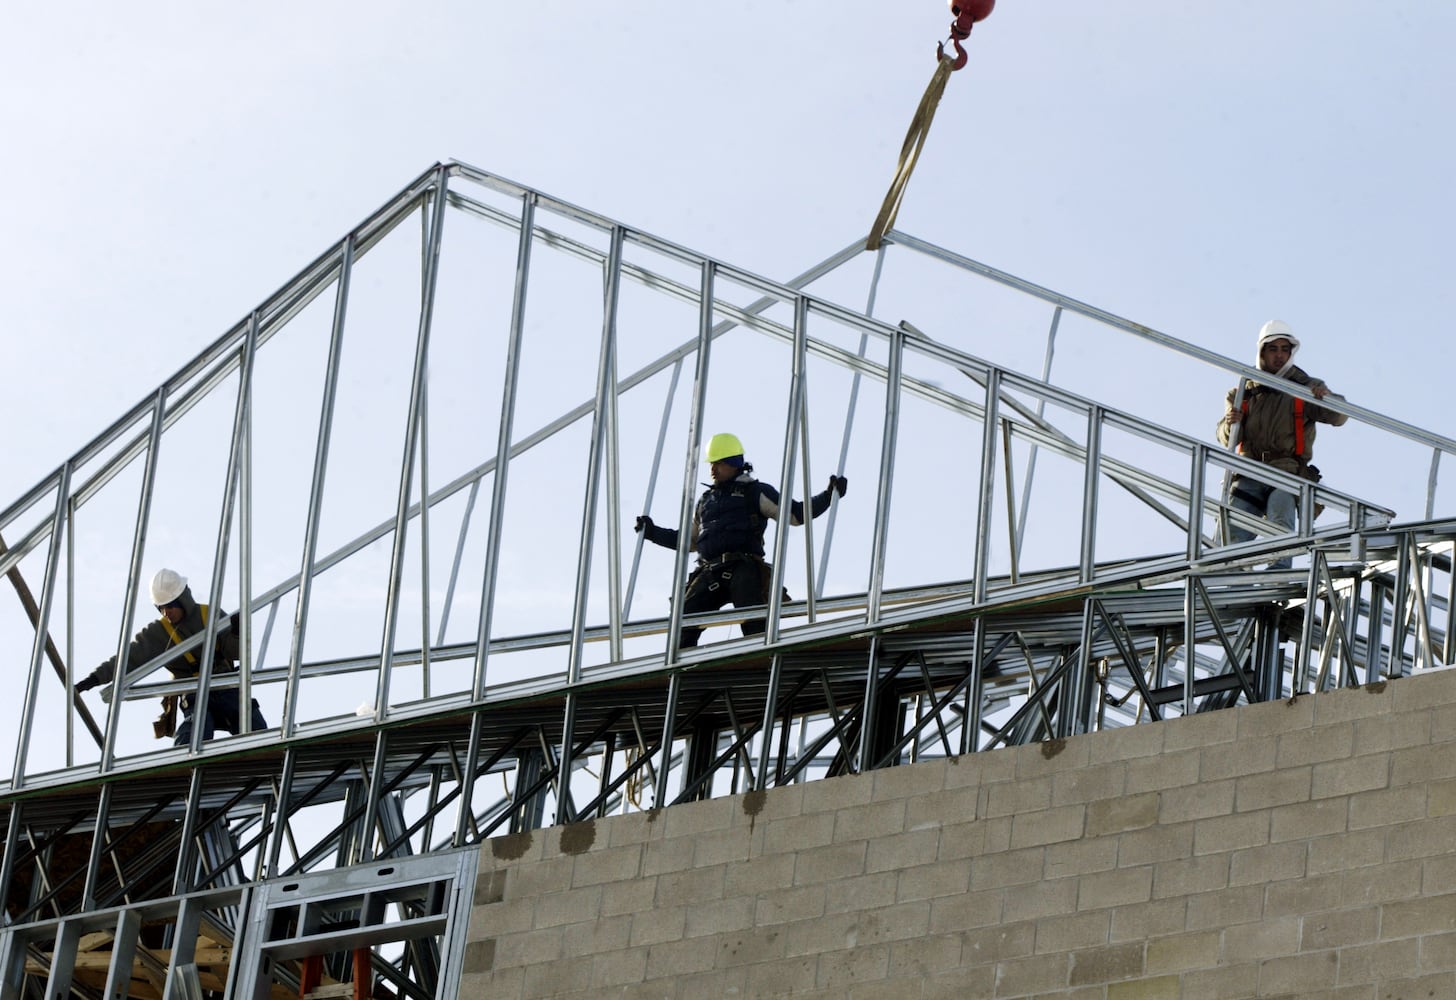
<point x="165" y="725"/>
<point x="1298" y="427"/>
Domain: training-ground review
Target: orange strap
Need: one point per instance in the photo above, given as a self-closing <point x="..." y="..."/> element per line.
<point x="1298" y="426"/>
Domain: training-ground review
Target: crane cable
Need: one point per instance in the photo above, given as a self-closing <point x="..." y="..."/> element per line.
<point x="967" y="13"/>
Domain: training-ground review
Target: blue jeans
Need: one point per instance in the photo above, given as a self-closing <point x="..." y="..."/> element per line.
<point x="1262" y="499"/>
<point x="222" y="713"/>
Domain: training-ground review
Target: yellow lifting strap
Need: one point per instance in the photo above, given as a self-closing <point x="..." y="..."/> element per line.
<point x="910" y="151"/>
<point x="177" y="637"/>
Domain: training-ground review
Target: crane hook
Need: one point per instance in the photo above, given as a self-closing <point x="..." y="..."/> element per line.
<point x="967" y="13"/>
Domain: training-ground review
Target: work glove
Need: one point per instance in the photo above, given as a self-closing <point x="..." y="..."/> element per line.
<point x="86" y="684"/>
<point x="107" y="692"/>
<point x="233" y="623"/>
<point x="839" y="484"/>
<point x="644" y="523"/>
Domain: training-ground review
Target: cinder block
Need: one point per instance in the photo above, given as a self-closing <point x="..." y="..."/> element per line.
<point x="1299" y="975"/>
<point x="758" y="875"/>
<point x="691" y="888"/>
<point x="720" y="847"/>
<point x="614" y="864"/>
<point x="1314" y="746"/>
<point x="1022" y="976"/>
<point x="1270" y="863"/>
<point x="1115" y="888"/>
<point x="794" y="976"/>
<point x="1429" y="838"/>
<point x="1344" y="704"/>
<point x="673" y="854"/>
<point x="1342" y="778"/>
<point x="1438" y="877"/>
<point x="1411" y="917"/>
<point x="1044" y="899"/>
<point x="756" y="946"/>
<point x="1254" y="755"/>
<point x="614" y="969"/>
<point x="1229" y="833"/>
<point x="1345" y="852"/>
<point x="833" y="794"/>
<point x="1127" y="743"/>
<point x="1190" y="876"/>
<point x="1269" y="938"/>
<point x="628" y="897"/>
<point x="1140" y="921"/>
<point x="1153" y="988"/>
<point x="1109" y="964"/>
<point x="796" y="833"/>
<point x="1440" y="984"/>
<point x="1170" y="770"/>
<point x="974" y="769"/>
<point x="996" y="871"/>
<point x="860" y="895"/>
<point x="1438" y="952"/>
<point x="1198" y="802"/>
<point x="903" y="850"/>
<point x="942" y="808"/>
<point x="835" y="932"/>
<point x="788" y="905"/>
<point x="1383" y="733"/>
<point x="1270" y="718"/>
<point x="1275" y="788"/>
<point x="633" y="828"/>
<point x="664" y="923"/>
<point x="1415" y="765"/>
<point x="1387" y="806"/>
<point x="1201" y="730"/>
<point x="958" y="985"/>
<point x="1224" y="983"/>
<point x="528" y="948"/>
<point x="942" y="878"/>
<point x="679" y="958"/>
<point x="713" y="983"/>
<point x="1065" y="931"/>
<point x="1048" y="826"/>
<point x="1374" y="963"/>
<point x="1009" y="798"/>
<point x="825" y="864"/>
<point x="1241" y="905"/>
<point x="1089" y="784"/>
<point x="1000" y="944"/>
<point x="1339" y="928"/>
<point x="966" y="911"/>
<point x="596" y="937"/>
<point x="557" y="908"/>
<point x="965" y="840"/>
<point x="1423" y="690"/>
<point x="565" y="975"/>
<point x="692" y="818"/>
<point x="502" y="918"/>
<point x="874" y="819"/>
<point x="1129" y="812"/>
<point x="1048" y="757"/>
<point x="843" y="969"/>
<point x="1183" y="952"/>
<point x="1080" y="857"/>
<point x="1304" y="820"/>
<point x="1155" y="844"/>
<point x="528" y="879"/>
<point x="756" y="808"/>
<point x="921" y="958"/>
<point x="908" y="781"/>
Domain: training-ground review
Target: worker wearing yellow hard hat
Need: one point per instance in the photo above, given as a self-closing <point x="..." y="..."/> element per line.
<point x="727" y="534"/>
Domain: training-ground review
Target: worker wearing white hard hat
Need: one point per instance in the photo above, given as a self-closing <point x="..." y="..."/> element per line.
<point x="181" y="617"/>
<point x="1275" y="428"/>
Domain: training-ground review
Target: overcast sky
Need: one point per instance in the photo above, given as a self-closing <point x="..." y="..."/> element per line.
<point x="1198" y="168"/>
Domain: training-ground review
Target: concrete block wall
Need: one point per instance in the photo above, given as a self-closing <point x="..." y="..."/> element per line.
<point x="1293" y="849"/>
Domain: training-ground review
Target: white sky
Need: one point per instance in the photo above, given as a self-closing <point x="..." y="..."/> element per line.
<point x="1198" y="168"/>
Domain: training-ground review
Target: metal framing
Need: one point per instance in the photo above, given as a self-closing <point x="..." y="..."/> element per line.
<point x="210" y="842"/>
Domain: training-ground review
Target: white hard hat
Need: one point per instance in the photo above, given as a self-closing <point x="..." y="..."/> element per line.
<point x="167" y="586"/>
<point x="1276" y="329"/>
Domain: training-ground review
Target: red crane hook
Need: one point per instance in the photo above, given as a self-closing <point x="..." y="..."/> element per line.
<point x="967" y="13"/>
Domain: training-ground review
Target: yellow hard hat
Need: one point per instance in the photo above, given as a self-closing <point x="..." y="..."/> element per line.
<point x="723" y="446"/>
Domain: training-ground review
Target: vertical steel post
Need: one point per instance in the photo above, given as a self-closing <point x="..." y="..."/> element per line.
<point x="786" y="469"/>
<point x="411" y="443"/>
<point x="1046" y="375"/>
<point x="503" y="443"/>
<point x="991" y="414"/>
<point x="316" y="486"/>
<point x="875" y="586"/>
<point x="1088" y="555"/>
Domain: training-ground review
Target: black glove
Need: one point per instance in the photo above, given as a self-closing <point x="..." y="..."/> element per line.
<point x="233" y="622"/>
<point x="839" y="484"/>
<point x="86" y="684"/>
<point x="643" y="523"/>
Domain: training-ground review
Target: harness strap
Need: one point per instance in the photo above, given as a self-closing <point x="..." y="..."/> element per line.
<point x="1298" y="427"/>
<point x="176" y="636"/>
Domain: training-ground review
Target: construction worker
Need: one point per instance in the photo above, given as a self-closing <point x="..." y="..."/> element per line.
<point x="1275" y="428"/>
<point x="727" y="535"/>
<point x="182" y="618"/>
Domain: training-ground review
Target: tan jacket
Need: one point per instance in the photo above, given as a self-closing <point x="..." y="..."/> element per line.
<point x="1268" y="431"/>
